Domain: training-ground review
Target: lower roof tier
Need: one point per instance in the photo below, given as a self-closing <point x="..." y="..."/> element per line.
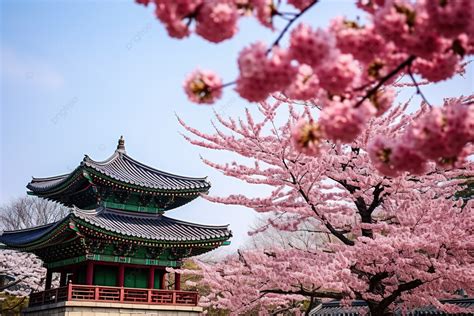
<point x="83" y="230"/>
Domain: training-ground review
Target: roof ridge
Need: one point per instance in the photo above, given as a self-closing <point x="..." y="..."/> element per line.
<point x="195" y="224"/>
<point x="65" y="175"/>
<point x="161" y="171"/>
<point x="32" y="228"/>
<point x="114" y="156"/>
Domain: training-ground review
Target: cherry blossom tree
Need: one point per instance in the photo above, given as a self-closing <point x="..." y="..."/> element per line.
<point x="350" y="68"/>
<point x="25" y="270"/>
<point x="395" y="239"/>
<point x="22" y="272"/>
<point x="379" y="181"/>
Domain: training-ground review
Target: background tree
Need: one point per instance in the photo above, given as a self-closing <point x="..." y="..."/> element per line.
<point x="24" y="272"/>
<point x="398" y="239"/>
<point x="263" y="235"/>
<point x="26" y="212"/>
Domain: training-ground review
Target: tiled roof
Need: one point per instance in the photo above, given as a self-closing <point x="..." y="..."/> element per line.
<point x="147" y="226"/>
<point x="357" y="308"/>
<point x="123" y="168"/>
<point x="16" y="238"/>
<point x="151" y="226"/>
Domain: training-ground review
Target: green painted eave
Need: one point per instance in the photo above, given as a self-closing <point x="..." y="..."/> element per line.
<point x="115" y="259"/>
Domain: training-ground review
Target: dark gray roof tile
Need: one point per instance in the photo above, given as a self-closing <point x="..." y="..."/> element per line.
<point x="147" y="226"/>
<point x="123" y="168"/>
<point x="151" y="226"/>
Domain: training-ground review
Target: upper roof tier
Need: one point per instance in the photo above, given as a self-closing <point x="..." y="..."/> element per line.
<point x="120" y="181"/>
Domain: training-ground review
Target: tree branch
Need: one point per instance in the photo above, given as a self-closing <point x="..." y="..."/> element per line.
<point x="319" y="294"/>
<point x="336" y="233"/>
<point x="287" y="26"/>
<point x="372" y="91"/>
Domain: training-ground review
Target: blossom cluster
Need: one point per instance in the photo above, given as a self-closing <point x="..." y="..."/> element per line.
<point x="23" y="267"/>
<point x="347" y="69"/>
<point x="440" y="135"/>
<point x="345" y="56"/>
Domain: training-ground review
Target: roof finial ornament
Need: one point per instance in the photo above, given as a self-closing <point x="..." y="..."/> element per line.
<point x="121" y="144"/>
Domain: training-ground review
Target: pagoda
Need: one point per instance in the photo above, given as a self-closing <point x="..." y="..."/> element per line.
<point x="116" y="243"/>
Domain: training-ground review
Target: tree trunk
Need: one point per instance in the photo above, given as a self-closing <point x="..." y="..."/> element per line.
<point x="376" y="310"/>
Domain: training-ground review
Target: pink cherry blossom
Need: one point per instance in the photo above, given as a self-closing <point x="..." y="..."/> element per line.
<point x="217" y="20"/>
<point x="439" y="67"/>
<point x="360" y="41"/>
<point x="380" y="151"/>
<point x="306" y="137"/>
<point x="264" y="10"/>
<point x="300" y="4"/>
<point x="407" y="25"/>
<point x="262" y="74"/>
<point x="305" y="86"/>
<point x="311" y="47"/>
<point x="340" y="121"/>
<point x="339" y="75"/>
<point x="172" y="13"/>
<point x="450" y="18"/>
<point x="203" y="86"/>
<point x="382" y="100"/>
<point x="25" y="267"/>
<point x="405" y="158"/>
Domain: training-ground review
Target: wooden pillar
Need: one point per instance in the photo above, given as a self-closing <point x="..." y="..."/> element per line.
<point x="163" y="280"/>
<point x="177" y="281"/>
<point x="49" y="278"/>
<point x="121" y="275"/>
<point x="74" y="275"/>
<point x="62" y="278"/>
<point x="90" y="273"/>
<point x="151" y="278"/>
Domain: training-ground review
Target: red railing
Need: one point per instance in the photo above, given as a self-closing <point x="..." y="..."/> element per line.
<point x="96" y="293"/>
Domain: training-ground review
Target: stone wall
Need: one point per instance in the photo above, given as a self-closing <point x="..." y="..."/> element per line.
<point x="76" y="308"/>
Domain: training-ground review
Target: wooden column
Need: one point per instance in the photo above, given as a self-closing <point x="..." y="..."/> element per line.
<point x="121" y="275"/>
<point x="49" y="278"/>
<point x="74" y="275"/>
<point x="177" y="281"/>
<point x="62" y="278"/>
<point x="151" y="277"/>
<point x="163" y="280"/>
<point x="90" y="273"/>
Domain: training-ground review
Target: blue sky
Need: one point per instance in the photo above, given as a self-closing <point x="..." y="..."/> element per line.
<point x="75" y="75"/>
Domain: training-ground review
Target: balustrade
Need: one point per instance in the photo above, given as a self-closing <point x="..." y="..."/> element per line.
<point x="111" y="294"/>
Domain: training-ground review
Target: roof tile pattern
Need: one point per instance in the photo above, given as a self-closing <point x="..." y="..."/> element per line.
<point x="123" y="168"/>
<point x="126" y="169"/>
<point x="147" y="226"/>
<point x="150" y="226"/>
<point x="334" y="308"/>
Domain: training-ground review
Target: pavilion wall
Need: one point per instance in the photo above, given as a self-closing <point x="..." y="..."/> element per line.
<point x="75" y="308"/>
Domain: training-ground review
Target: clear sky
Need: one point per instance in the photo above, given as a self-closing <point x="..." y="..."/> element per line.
<point x="75" y="75"/>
